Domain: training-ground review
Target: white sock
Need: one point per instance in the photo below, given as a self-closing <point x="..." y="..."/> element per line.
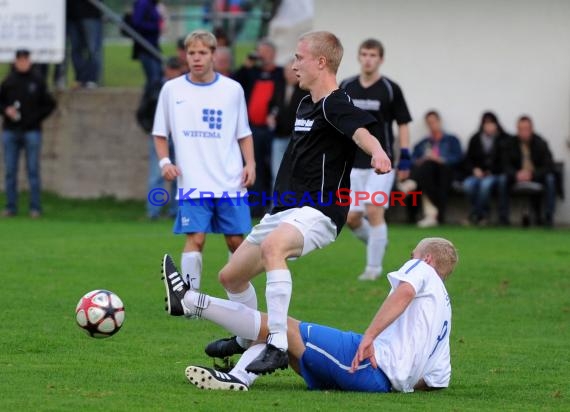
<point x="376" y="248"/>
<point x="232" y="316"/>
<point x="248" y="298"/>
<point x="192" y="268"/>
<point x="248" y="356"/>
<point x="362" y="232"/>
<point x="278" y="295"/>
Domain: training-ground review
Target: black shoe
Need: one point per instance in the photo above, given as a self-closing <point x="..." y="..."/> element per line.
<point x="269" y="361"/>
<point x="223" y="348"/>
<point x="207" y="378"/>
<point x="175" y="287"/>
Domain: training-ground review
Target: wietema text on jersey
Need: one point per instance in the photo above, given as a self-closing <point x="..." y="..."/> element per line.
<point x="201" y="133"/>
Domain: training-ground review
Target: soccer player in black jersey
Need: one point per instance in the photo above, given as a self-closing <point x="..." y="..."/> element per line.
<point x="306" y="213"/>
<point x="384" y="99"/>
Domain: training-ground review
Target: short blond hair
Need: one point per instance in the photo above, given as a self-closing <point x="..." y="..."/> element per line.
<point x="204" y="36"/>
<point x="326" y="44"/>
<point x="443" y="253"/>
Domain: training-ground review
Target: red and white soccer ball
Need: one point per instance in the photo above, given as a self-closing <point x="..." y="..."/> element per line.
<point x="100" y="313"/>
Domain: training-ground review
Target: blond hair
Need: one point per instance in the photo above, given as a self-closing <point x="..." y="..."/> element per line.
<point x="327" y="45"/>
<point x="443" y="253"/>
<point x="204" y="36"/>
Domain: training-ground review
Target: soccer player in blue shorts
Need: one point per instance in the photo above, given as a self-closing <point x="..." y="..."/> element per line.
<point x="205" y="114"/>
<point x="405" y="347"/>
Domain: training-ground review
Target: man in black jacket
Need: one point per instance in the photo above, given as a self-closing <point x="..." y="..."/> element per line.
<point x="527" y="158"/>
<point x="483" y="165"/>
<point x="24" y="104"/>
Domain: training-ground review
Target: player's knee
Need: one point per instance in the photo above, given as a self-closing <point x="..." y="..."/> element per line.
<point x="234" y="242"/>
<point x="225" y="278"/>
<point x="353" y="220"/>
<point x="195" y="243"/>
<point x="270" y="251"/>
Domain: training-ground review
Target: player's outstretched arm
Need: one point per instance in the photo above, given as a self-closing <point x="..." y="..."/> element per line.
<point x="246" y="147"/>
<point x="390" y="310"/>
<point x="380" y="160"/>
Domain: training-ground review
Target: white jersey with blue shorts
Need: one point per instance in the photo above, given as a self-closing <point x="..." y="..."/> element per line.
<point x="415" y="346"/>
<point x="206" y="122"/>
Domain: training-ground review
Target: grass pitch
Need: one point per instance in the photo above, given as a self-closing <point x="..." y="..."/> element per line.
<point x="509" y="341"/>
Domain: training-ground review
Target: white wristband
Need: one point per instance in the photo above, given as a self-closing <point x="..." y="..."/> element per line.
<point x="164" y="161"/>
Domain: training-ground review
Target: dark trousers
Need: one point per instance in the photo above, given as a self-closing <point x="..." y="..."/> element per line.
<point x="548" y="197"/>
<point x="262" y="141"/>
<point x="434" y="180"/>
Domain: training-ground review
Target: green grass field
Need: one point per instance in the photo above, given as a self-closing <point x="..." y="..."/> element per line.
<point x="510" y="337"/>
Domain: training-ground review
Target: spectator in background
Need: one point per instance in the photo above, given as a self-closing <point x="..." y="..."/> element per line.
<point x="145" y="119"/>
<point x="483" y="165"/>
<point x="24" y="104"/>
<point x="260" y="77"/>
<point x="222" y="37"/>
<point x="527" y="158"/>
<point x="181" y="53"/>
<point x="436" y="162"/>
<point x="223" y="61"/>
<point x="147" y="21"/>
<point x="281" y="118"/>
<point x="85" y="30"/>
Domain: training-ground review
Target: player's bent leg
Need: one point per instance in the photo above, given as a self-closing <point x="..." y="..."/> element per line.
<point x="284" y="242"/>
<point x="244" y="265"/>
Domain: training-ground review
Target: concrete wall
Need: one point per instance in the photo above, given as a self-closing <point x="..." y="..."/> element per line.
<point x="463" y="57"/>
<point x="93" y="147"/>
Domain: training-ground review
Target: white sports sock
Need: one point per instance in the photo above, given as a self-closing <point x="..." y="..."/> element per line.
<point x="232" y="316"/>
<point x="192" y="268"/>
<point x="248" y="356"/>
<point x="248" y="298"/>
<point x="362" y="232"/>
<point x="278" y="295"/>
<point x="376" y="248"/>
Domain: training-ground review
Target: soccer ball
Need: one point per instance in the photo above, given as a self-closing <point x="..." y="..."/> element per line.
<point x="100" y="313"/>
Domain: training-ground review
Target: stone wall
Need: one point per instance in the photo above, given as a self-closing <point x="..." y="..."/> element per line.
<point x="93" y="147"/>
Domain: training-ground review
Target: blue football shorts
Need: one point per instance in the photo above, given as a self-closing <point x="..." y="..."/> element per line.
<point x="229" y="216"/>
<point x="327" y="359"/>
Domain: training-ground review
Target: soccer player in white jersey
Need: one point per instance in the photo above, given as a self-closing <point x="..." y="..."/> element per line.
<point x="405" y="347"/>
<point x="206" y="116"/>
<point x="383" y="98"/>
<point x="316" y="165"/>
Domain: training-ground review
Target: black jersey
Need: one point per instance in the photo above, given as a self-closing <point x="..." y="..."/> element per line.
<point x="385" y="101"/>
<point x="320" y="155"/>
